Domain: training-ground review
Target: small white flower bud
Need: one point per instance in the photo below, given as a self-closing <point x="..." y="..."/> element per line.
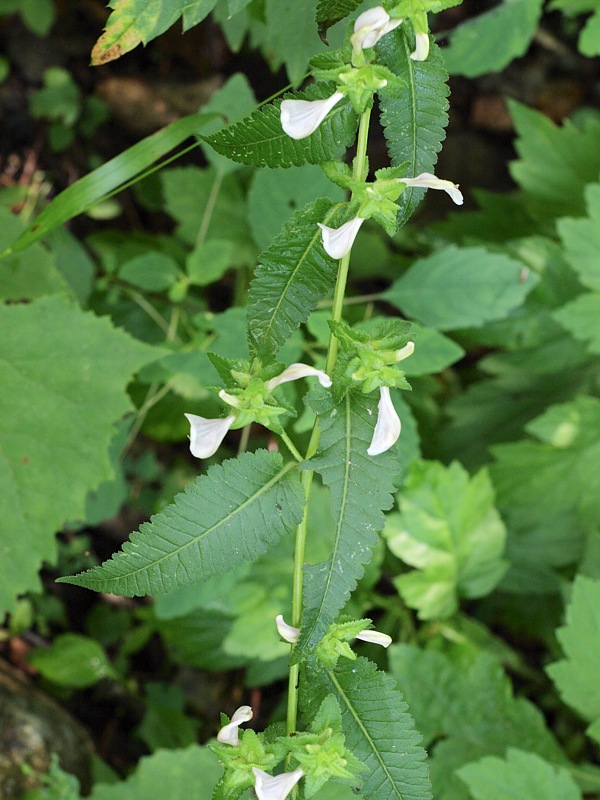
<point x="287" y="632"/>
<point x="229" y="733"/>
<point x="370" y="26"/>
<point x="375" y="637"/>
<point x="296" y="371"/>
<point x="429" y="181"/>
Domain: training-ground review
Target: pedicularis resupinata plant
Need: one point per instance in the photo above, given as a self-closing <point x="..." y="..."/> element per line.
<point x="355" y="727"/>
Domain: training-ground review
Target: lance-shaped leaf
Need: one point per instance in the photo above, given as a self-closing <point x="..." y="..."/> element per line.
<point x="294" y="273"/>
<point x="259" y="140"/>
<point x="231" y="514"/>
<point x="378" y="728"/>
<point x="331" y="11"/>
<point x="414" y="122"/>
<point x="361" y="488"/>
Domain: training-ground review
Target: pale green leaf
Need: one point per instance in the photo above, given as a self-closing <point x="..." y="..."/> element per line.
<point x="379" y="730"/>
<point x="576" y="676"/>
<point x="461" y="288"/>
<point x="292" y="37"/>
<point x="209" y="261"/>
<point x="72" y="660"/>
<point x="361" y="488"/>
<point x="167" y="773"/>
<point x="259" y="140"/>
<point x="555" y="163"/>
<point x="293" y="274"/>
<point x="581" y="317"/>
<point x="63" y="377"/>
<point x="231" y="514"/>
<point x="520" y="776"/>
<point x="589" y="40"/>
<point x="153" y="271"/>
<point x="414" y="123"/>
<point x="475" y="47"/>
<point x="450" y="530"/>
<point x="581" y="239"/>
<point x="38" y="15"/>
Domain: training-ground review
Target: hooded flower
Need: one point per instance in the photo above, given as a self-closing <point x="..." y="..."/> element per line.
<point x="300" y="118"/>
<point x="292" y="634"/>
<point x="275" y="787"/>
<point x="429" y="181"/>
<point x="421" y="47"/>
<point x="229" y="733"/>
<point x="296" y="371"/>
<point x="338" y="241"/>
<point x="387" y="429"/>
<point x="375" y="637"/>
<point x="370" y="26"/>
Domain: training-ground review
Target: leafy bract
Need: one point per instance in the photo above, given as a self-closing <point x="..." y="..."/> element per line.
<point x="378" y="727"/>
<point x="331" y="11"/>
<point x="576" y="676"/>
<point x="260" y="140"/>
<point x="475" y="714"/>
<point x="294" y="273"/>
<point x="461" y="287"/>
<point x="520" y="774"/>
<point x="450" y="530"/>
<point x="63" y="374"/>
<point x="134" y="22"/>
<point x="414" y="123"/>
<point x="475" y="46"/>
<point x="555" y="163"/>
<point x="231" y="514"/>
<point x="361" y="487"/>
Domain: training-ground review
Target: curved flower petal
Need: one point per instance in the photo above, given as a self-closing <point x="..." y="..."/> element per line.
<point x="287" y="632"/>
<point x="275" y="787"/>
<point x="375" y="637"/>
<point x="206" y="435"/>
<point x="296" y="371"/>
<point x="230" y="399"/>
<point x="421" y="47"/>
<point x="429" y="181"/>
<point x="387" y="429"/>
<point x="300" y="118"/>
<point x="370" y="26"/>
<point x="338" y="241"/>
<point x="229" y="733"/>
<point x="405" y="352"/>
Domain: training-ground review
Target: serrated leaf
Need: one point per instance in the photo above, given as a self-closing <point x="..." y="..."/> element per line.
<point x="294" y="273"/>
<point x="231" y="514"/>
<point x="581" y="239"/>
<point x="520" y="775"/>
<point x="475" y="47"/>
<point x="331" y="11"/>
<point x="413" y="123"/>
<point x="259" y="140"/>
<point x="63" y="374"/>
<point x="450" y="530"/>
<point x="461" y="288"/>
<point x="576" y="676"/>
<point x="581" y="317"/>
<point x="378" y="727"/>
<point x="555" y="163"/>
<point x="361" y="489"/>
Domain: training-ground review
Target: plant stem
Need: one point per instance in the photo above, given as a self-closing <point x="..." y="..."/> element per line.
<point x="359" y="173"/>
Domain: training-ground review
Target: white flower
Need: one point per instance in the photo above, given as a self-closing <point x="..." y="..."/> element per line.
<point x="421" y="47"/>
<point x="429" y="181"/>
<point x="206" y="435"/>
<point x="300" y="118"/>
<point x="370" y="26"/>
<point x="287" y="632"/>
<point x="338" y="241"/>
<point x="229" y="733"/>
<point x="275" y="787"/>
<point x="375" y="637"/>
<point x="387" y="429"/>
<point x="296" y="371"/>
<point x="405" y="352"/>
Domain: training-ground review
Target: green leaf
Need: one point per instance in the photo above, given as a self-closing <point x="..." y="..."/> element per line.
<point x="576" y="676"/>
<point x="581" y="317"/>
<point x="165" y="723"/>
<point x="294" y="273"/>
<point x="433" y="352"/>
<point x="72" y="660"/>
<point x="292" y="35"/>
<point x="134" y="22"/>
<point x="378" y="728"/>
<point x="589" y="38"/>
<point x="460" y="288"/>
<point x="581" y="239"/>
<point x="231" y="514"/>
<point x="259" y="140"/>
<point x="167" y="773"/>
<point x="38" y="15"/>
<point x="413" y="123"/>
<point x="555" y="164"/>
<point x="209" y="261"/>
<point x="153" y="271"/>
<point x="450" y="530"/>
<point x="331" y="11"/>
<point x="361" y="488"/>
<point x="93" y="188"/>
<point x="521" y="775"/>
<point x="475" y="47"/>
<point x="63" y="374"/>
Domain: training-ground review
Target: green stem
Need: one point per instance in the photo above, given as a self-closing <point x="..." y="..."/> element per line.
<point x="359" y="173"/>
<point x="291" y="447"/>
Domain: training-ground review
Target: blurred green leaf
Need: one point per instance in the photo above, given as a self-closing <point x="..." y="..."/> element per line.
<point x="153" y="272"/>
<point x="58" y="99"/>
<point x="232" y="101"/>
<point x="72" y="660"/>
<point x="589" y="38"/>
<point x="165" y="723"/>
<point x="292" y="35"/>
<point x="209" y="261"/>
